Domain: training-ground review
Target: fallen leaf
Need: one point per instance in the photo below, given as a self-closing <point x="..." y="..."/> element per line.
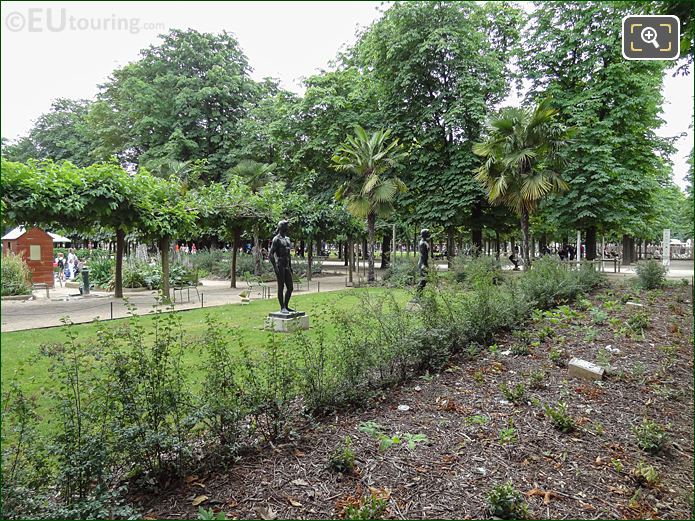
<point x="300" y="483"/>
<point x="380" y="493"/>
<point x="298" y="453"/>
<point x="200" y="499"/>
<point x="294" y="502"/>
<point x="587" y="506"/>
<point x="599" y="461"/>
<point x="191" y="479"/>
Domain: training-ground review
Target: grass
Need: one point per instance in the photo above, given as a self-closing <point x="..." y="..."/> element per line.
<point x="20" y="349"/>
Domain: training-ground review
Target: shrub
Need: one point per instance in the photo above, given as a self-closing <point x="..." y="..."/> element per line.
<point x="506" y="502"/>
<point x="472" y="271"/>
<point x="646" y="474"/>
<point x="16" y="278"/>
<point x="559" y="417"/>
<point x="515" y="394"/>
<point x="638" y="321"/>
<point x="343" y="458"/>
<point x="537" y="379"/>
<point x="651" y="437"/>
<point x="101" y="270"/>
<point x="651" y="274"/>
<point x="403" y="271"/>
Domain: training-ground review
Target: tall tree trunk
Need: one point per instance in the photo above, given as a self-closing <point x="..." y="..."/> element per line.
<point x="385" y="251"/>
<point x="235" y="248"/>
<point x="449" y="245"/>
<point x="497" y="245"/>
<point x="627" y="251"/>
<point x="120" y="239"/>
<point x="340" y="250"/>
<point x="525" y="234"/>
<point x="258" y="266"/>
<point x="477" y="239"/>
<point x="371" y="226"/>
<point x="309" y="260"/>
<point x="591" y="243"/>
<point x="346" y="255"/>
<point x="351" y="258"/>
<point x="164" y="252"/>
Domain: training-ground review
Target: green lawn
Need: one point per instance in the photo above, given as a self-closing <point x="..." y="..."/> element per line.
<point x="20" y="349"/>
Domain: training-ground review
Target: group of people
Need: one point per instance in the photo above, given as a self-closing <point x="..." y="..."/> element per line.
<point x="68" y="268"/>
<point x="186" y="249"/>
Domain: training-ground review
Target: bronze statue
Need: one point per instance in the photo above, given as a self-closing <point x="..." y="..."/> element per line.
<point x="280" y="258"/>
<point x="423" y="263"/>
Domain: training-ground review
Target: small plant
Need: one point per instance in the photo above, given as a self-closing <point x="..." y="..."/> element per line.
<point x="372" y="428"/>
<point x="343" y="458"/>
<point x="598" y="316"/>
<point x="520" y="349"/>
<point x="16" y="278"/>
<point x="617" y="465"/>
<point x="386" y="442"/>
<point x="559" y="417"/>
<point x="651" y="437"/>
<point x="370" y="507"/>
<point x="210" y="515"/>
<point x="651" y="274"/>
<point x="506" y="502"/>
<point x="603" y="358"/>
<point x="412" y="439"/>
<point x="537" y="379"/>
<point x="476" y="419"/>
<point x="591" y="334"/>
<point x="478" y="376"/>
<point x="646" y="474"/>
<point x="545" y="332"/>
<point x="638" y="321"/>
<point x="611" y="305"/>
<point x="557" y="357"/>
<point x="507" y="436"/>
<point x="514" y="394"/>
<point x="670" y="353"/>
<point x="494" y="349"/>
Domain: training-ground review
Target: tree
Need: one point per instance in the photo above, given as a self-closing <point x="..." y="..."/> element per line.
<point x="61" y="134"/>
<point x="183" y="100"/>
<point x="164" y="212"/>
<point x="370" y="188"/>
<point x="256" y="175"/>
<point x="438" y="68"/>
<point x="521" y="152"/>
<point x="614" y="163"/>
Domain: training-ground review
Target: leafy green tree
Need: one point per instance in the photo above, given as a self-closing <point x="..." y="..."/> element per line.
<point x="164" y="212"/>
<point x="257" y="176"/>
<point x="521" y="154"/>
<point x="370" y="188"/>
<point x="614" y="168"/>
<point x="437" y="69"/>
<point x="63" y="133"/>
<point x="184" y="100"/>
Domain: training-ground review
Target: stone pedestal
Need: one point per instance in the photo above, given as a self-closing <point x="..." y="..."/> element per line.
<point x="579" y="368"/>
<point x="287" y="322"/>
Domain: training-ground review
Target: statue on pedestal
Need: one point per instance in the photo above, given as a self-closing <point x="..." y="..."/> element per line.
<point x="280" y="259"/>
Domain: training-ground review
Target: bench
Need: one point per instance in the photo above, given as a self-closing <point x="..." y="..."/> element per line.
<point x="186" y="287"/>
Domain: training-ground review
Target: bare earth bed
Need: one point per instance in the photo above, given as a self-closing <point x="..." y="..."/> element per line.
<point x="588" y="473"/>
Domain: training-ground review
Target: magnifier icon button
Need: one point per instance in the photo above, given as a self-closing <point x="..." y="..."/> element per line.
<point x="648" y="35"/>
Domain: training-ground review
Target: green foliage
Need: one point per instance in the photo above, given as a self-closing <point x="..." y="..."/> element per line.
<point x="514" y="394"/>
<point x="651" y="437"/>
<point x="559" y="417"/>
<point x="557" y="356"/>
<point x="537" y="379"/>
<point x="506" y="502"/>
<point x="638" y="321"/>
<point x="370" y="507"/>
<point x="507" y="435"/>
<point x="16" y="278"/>
<point x="482" y="269"/>
<point x="651" y="274"/>
<point x="402" y="271"/>
<point x="646" y="474"/>
<point x="101" y="270"/>
<point x="210" y="515"/>
<point x="549" y="283"/>
<point x="343" y="458"/>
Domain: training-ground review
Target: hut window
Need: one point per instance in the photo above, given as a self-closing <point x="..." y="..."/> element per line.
<point x="35" y="252"/>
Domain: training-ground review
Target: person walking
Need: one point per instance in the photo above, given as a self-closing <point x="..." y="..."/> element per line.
<point x="514" y="258"/>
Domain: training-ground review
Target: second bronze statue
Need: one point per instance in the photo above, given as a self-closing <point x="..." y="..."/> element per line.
<point x="282" y="264"/>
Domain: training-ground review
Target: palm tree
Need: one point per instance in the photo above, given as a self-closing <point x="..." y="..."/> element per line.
<point x="256" y="175"/>
<point x="368" y="189"/>
<point x="522" y="152"/>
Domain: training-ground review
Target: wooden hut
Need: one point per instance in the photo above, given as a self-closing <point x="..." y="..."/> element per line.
<point x="36" y="248"/>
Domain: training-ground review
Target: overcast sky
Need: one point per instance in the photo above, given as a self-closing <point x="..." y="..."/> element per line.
<point x="64" y="50"/>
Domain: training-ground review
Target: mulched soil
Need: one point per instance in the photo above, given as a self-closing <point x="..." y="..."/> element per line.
<point x="461" y="411"/>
